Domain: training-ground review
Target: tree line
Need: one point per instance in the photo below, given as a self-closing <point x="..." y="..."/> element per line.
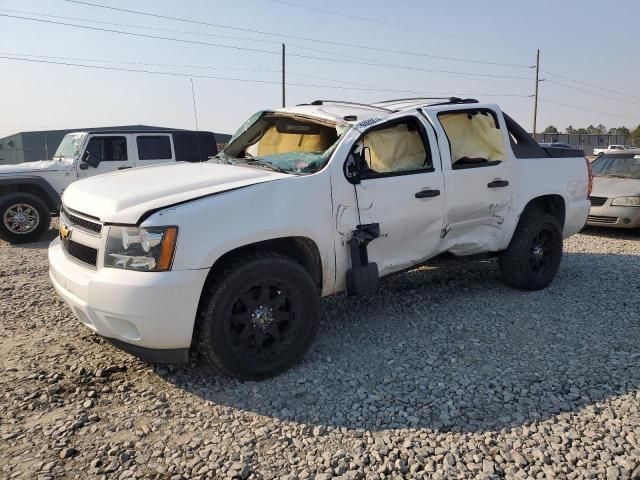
<point x="632" y="136"/>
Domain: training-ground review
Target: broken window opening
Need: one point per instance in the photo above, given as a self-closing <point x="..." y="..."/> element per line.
<point x="289" y="143"/>
<point x="395" y="149"/>
<point x="475" y="138"/>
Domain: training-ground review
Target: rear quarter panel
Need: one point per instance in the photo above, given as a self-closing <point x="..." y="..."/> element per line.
<point x="536" y="177"/>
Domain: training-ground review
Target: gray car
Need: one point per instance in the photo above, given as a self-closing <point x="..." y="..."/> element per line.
<point x="615" y="199"/>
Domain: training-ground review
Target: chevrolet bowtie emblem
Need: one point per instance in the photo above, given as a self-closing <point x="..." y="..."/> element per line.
<point x="65" y="232"/>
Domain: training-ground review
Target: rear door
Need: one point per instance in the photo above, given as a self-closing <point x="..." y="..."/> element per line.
<point x="153" y="148"/>
<point x="477" y="166"/>
<point x="194" y="146"/>
<point x="401" y="189"/>
<point x="115" y="152"/>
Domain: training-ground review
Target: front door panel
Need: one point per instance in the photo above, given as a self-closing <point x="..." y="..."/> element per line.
<point x="114" y="151"/>
<point x="401" y="189"/>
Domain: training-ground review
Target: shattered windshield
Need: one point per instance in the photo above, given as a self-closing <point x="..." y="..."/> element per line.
<point x="69" y="145"/>
<point x="621" y="166"/>
<point x="283" y="142"/>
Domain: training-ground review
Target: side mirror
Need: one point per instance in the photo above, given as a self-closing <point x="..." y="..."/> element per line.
<point x="89" y="160"/>
<point x="352" y="169"/>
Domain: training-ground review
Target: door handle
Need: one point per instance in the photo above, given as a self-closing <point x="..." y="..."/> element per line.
<point x="427" y="193"/>
<point x="123" y="168"/>
<point x="498" y="183"/>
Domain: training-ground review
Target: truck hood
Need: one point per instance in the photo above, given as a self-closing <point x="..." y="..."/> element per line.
<point x="37" y="167"/>
<point x="615" y="187"/>
<point x="123" y="197"/>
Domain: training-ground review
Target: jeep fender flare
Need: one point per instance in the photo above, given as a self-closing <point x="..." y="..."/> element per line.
<point x="32" y="184"/>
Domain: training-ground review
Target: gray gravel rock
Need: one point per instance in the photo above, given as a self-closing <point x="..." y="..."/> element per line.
<point x="442" y="373"/>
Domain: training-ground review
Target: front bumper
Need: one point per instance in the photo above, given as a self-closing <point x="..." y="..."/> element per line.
<point x="616" y="217"/>
<point x="149" y="314"/>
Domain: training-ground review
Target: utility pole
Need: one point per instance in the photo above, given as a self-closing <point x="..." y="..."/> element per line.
<point x="535" y="105"/>
<point x="283" y="77"/>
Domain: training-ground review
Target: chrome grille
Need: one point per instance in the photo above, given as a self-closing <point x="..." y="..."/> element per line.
<point x="598" y="201"/>
<point x="83" y="223"/>
<point x="81" y="252"/>
<point x="602" y="219"/>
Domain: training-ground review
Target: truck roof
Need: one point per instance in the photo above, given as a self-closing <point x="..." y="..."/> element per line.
<point x="342" y="111"/>
<point x="148" y="132"/>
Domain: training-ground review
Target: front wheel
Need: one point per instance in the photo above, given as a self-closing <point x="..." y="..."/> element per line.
<point x="23" y="218"/>
<point x="533" y="257"/>
<point x="258" y="316"/>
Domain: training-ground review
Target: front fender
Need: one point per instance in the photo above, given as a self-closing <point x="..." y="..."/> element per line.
<point x="213" y="226"/>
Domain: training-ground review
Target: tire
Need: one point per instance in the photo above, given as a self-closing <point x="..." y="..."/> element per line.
<point x="24" y="218"/>
<point x="258" y="317"/>
<point x="533" y="257"/>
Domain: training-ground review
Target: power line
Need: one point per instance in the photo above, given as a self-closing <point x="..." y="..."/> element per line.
<point x="588" y="110"/>
<point x="297" y="37"/>
<point x="383" y="22"/>
<point x="173" y="65"/>
<point x="256" y="50"/>
<point x="145" y="64"/>
<point x="592" y="93"/>
<point x="546" y="72"/>
<point x="248" y="80"/>
<point x="185" y="32"/>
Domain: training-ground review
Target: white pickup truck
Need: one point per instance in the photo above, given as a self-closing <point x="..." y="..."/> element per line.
<point x="610" y="149"/>
<point x="30" y="192"/>
<point x="230" y="257"/>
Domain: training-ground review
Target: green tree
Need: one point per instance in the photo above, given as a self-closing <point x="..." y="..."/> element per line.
<point x="582" y="131"/>
<point x="620" y="131"/>
<point x="635" y="136"/>
<point x="570" y="130"/>
<point x="599" y="130"/>
<point x="551" y="129"/>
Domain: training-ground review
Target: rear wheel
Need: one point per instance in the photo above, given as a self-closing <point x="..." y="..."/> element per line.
<point x="533" y="257"/>
<point x="258" y="317"/>
<point x="23" y="218"/>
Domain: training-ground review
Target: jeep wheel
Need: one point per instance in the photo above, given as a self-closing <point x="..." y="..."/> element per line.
<point x="533" y="257"/>
<point x="23" y="218"/>
<point x="258" y="317"/>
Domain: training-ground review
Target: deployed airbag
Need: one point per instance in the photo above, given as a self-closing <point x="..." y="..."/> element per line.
<point x="395" y="149"/>
<point x="275" y="141"/>
<point x="473" y="136"/>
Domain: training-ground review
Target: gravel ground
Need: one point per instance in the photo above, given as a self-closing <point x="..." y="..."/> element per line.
<point x="444" y="373"/>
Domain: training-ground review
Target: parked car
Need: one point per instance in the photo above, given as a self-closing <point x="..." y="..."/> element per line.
<point x="30" y="192"/>
<point x="230" y="257"/>
<point x="609" y="149"/>
<point x="615" y="200"/>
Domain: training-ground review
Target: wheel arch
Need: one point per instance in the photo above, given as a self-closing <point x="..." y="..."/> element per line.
<point x="35" y="186"/>
<point x="552" y="204"/>
<point x="303" y="250"/>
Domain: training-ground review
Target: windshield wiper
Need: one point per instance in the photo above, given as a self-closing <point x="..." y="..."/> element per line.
<point x="615" y="176"/>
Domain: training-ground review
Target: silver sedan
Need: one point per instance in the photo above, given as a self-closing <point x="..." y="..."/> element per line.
<point x="615" y="199"/>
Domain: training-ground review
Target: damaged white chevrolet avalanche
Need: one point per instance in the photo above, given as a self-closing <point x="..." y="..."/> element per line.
<point x="229" y="257"/>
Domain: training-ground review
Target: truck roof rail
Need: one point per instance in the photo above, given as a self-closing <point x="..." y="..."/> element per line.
<point x="455" y="100"/>
<point x="395" y="100"/>
<point x="344" y="102"/>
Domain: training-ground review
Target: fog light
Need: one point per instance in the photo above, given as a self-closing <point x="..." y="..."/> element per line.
<point x="626" y="221"/>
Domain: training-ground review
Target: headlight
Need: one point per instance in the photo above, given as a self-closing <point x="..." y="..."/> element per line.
<point x="626" y="202"/>
<point x="144" y="249"/>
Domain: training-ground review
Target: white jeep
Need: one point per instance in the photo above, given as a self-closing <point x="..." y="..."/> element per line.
<point x="30" y="192"/>
<point x="231" y="256"/>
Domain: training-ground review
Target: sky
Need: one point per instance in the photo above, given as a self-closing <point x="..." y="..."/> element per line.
<point x="391" y="53"/>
